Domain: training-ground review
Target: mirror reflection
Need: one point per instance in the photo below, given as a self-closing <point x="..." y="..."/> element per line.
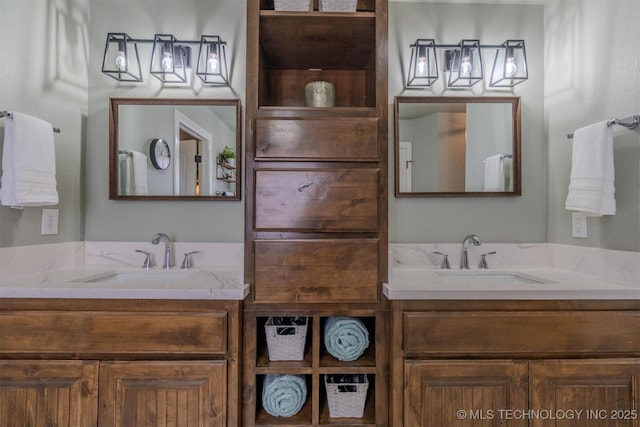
<point x="174" y="149"/>
<point x="457" y="146"/>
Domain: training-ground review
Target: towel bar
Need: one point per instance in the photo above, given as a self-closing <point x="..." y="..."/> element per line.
<point x="630" y="122"/>
<point x="10" y="114"/>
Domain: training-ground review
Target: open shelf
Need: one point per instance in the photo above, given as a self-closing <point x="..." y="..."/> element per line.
<point x="316" y="40"/>
<point x="298" y="48"/>
<point x="361" y="6"/>
<point x="369" y="414"/>
<point x="317" y="363"/>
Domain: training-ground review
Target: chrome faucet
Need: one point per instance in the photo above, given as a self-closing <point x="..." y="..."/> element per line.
<point x="161" y="237"/>
<point x="464" y="260"/>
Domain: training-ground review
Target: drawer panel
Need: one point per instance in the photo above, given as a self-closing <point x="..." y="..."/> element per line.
<point x="339" y="139"/>
<point x="316" y="271"/>
<point x="495" y="333"/>
<point x="316" y="200"/>
<point x="103" y="333"/>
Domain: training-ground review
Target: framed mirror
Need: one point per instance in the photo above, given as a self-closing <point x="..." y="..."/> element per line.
<point x="457" y="146"/>
<point x="175" y="149"/>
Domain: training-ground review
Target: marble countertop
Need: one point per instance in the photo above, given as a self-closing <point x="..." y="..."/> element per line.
<point x="424" y="282"/>
<point x="217" y="283"/>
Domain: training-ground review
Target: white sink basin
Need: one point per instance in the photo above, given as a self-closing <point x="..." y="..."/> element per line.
<point x="489" y="278"/>
<point x="143" y="278"/>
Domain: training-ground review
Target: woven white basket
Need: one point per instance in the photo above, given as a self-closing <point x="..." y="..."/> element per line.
<point x="285" y="342"/>
<point x="338" y="5"/>
<point x="293" y="5"/>
<point x="346" y="399"/>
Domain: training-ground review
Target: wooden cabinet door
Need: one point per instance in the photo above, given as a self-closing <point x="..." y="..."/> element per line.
<point x="48" y="393"/>
<point x="464" y="393"/>
<point x="586" y="392"/>
<point x="151" y="394"/>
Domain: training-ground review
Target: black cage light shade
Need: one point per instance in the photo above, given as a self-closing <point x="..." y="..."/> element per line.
<point x="121" y="60"/>
<point x="423" y="66"/>
<point x="169" y="60"/>
<point x="465" y="64"/>
<point x="212" y="61"/>
<point x="509" y="65"/>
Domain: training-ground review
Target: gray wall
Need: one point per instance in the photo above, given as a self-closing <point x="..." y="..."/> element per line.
<point x="44" y="49"/>
<point x="494" y="219"/>
<point x="592" y="64"/>
<point x="584" y="68"/>
<point x="187" y="20"/>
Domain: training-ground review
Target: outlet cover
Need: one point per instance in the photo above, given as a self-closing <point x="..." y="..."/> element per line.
<point x="579" y="225"/>
<point x="49" y="221"/>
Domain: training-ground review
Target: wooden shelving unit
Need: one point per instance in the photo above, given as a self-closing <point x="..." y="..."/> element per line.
<point x="316" y="205"/>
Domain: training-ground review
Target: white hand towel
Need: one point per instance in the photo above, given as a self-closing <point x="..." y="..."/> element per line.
<point x="494" y="173"/>
<point x="591" y="187"/>
<point x="28" y="163"/>
<point x="140" y="187"/>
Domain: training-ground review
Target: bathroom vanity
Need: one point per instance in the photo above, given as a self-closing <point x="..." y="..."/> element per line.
<point x="518" y="346"/>
<point x="76" y="351"/>
<point x="517" y="362"/>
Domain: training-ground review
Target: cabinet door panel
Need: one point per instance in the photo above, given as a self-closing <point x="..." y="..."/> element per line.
<point x="316" y="271"/>
<point x="317" y="200"/>
<point x="338" y="139"/>
<point x="151" y="394"/>
<point x="464" y="393"/>
<point x="48" y="393"/>
<point x="595" y="392"/>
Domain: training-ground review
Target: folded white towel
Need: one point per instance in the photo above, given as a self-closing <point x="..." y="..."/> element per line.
<point x="28" y="163"/>
<point x="497" y="173"/>
<point x="591" y="187"/>
<point x="133" y="174"/>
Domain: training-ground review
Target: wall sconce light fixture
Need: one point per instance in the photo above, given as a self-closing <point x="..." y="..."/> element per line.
<point x="423" y="67"/>
<point x="463" y="62"/>
<point x="170" y="59"/>
<point x="509" y="65"/>
<point x="212" y="61"/>
<point x="121" y="60"/>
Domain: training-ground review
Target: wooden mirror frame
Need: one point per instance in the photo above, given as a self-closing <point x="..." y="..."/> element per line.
<point x="115" y="103"/>
<point x="517" y="160"/>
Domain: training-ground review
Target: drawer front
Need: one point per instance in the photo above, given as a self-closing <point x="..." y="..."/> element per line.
<point x="104" y="333"/>
<point x="496" y="333"/>
<point x="338" y="139"/>
<point x="316" y="271"/>
<point x="316" y="200"/>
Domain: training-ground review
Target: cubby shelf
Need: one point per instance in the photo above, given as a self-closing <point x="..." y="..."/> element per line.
<point x="317" y="363"/>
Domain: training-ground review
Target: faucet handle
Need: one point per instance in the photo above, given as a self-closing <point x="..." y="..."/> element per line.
<point x="483" y="260"/>
<point x="147" y="261"/>
<point x="445" y="261"/>
<point x="186" y="262"/>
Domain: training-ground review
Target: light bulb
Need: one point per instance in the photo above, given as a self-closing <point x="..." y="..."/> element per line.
<point x="465" y="66"/>
<point x="167" y="62"/>
<point x="213" y="64"/>
<point x="121" y="61"/>
<point x="422" y="66"/>
<point x="510" y="67"/>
